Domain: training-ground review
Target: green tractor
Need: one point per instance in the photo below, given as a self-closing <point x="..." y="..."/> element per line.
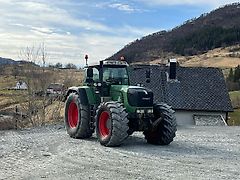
<point x="108" y="104"/>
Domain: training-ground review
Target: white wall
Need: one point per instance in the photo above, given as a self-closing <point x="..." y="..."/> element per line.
<point x="186" y="117"/>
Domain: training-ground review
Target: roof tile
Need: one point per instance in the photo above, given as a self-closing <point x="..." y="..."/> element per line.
<point x="196" y="88"/>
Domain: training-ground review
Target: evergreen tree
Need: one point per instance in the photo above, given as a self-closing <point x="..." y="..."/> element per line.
<point x="231" y="75"/>
<point x="70" y="66"/>
<point x="237" y="74"/>
<point x="58" y="65"/>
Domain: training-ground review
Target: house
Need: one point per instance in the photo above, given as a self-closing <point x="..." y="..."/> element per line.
<point x="198" y="95"/>
<point x="55" y="89"/>
<point x="20" y="85"/>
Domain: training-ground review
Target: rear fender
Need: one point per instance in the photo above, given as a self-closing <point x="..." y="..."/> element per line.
<point x="85" y="93"/>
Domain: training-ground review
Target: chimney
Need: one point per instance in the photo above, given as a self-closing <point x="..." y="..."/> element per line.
<point x="173" y="69"/>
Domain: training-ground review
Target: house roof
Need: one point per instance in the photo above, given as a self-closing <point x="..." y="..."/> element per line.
<point x="56" y="86"/>
<point x="196" y="88"/>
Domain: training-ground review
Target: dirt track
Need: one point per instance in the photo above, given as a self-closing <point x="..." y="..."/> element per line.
<point x="49" y="153"/>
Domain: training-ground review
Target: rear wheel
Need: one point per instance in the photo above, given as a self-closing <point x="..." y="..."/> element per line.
<point x="77" y="117"/>
<point x="164" y="133"/>
<point x="111" y="124"/>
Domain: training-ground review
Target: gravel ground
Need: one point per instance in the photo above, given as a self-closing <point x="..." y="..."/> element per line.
<point x="49" y="153"/>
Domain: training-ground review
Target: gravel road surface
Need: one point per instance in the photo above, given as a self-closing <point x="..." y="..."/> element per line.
<point x="49" y="153"/>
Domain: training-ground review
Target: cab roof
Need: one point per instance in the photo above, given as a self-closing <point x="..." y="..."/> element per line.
<point x="111" y="63"/>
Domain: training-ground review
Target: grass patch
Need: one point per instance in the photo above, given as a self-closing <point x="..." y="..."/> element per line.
<point x="235" y="99"/>
<point x="7" y="82"/>
<point x="234" y="94"/>
<point x="234" y="118"/>
<point x="10" y="97"/>
<point x="36" y="110"/>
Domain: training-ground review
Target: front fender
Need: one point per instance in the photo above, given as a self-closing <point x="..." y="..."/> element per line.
<point x="85" y="93"/>
<point x="81" y="92"/>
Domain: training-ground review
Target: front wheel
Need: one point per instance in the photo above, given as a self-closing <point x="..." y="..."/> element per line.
<point x="111" y="124"/>
<point x="164" y="133"/>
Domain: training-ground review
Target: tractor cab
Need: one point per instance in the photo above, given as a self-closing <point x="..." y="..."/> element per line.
<point x="109" y="73"/>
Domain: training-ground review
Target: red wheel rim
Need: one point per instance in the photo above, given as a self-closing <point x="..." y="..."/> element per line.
<point x="73" y="115"/>
<point x="104" y="124"/>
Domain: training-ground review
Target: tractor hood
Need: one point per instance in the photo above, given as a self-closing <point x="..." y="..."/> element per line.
<point x="134" y="95"/>
<point x="140" y="96"/>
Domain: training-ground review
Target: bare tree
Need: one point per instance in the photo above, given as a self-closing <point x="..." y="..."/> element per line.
<point x="28" y="103"/>
<point x="35" y="103"/>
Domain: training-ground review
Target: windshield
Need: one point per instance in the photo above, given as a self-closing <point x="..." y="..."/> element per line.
<point x="115" y="75"/>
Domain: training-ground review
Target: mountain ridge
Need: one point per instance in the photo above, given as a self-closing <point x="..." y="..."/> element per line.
<point x="4" y="61"/>
<point x="219" y="28"/>
<point x="9" y="61"/>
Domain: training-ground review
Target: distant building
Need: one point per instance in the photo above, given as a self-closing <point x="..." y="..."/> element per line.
<point x="55" y="89"/>
<point x="198" y="95"/>
<point x="20" y="85"/>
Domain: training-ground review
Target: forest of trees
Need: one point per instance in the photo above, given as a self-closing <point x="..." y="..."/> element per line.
<point x="233" y="79"/>
<point x="194" y="43"/>
<point x="60" y="66"/>
<point x="220" y="28"/>
<point x="206" y="39"/>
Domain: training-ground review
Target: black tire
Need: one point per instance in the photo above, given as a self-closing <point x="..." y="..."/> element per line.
<point x="130" y="131"/>
<point x="111" y="124"/>
<point x="77" y="117"/>
<point x="164" y="133"/>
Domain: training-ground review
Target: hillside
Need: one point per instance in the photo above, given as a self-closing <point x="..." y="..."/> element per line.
<point x="36" y="108"/>
<point x="224" y="58"/>
<point x="8" y="61"/>
<point x="4" y="61"/>
<point x="219" y="28"/>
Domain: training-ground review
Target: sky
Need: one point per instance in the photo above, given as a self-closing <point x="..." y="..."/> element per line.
<point x="70" y="29"/>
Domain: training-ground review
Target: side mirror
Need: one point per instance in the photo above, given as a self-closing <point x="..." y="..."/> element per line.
<point x="148" y="75"/>
<point x="90" y="73"/>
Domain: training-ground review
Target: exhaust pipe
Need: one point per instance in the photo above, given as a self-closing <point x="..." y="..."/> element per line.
<point x="173" y="69"/>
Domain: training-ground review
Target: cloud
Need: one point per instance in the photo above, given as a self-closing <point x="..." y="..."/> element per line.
<point x="127" y="29"/>
<point x="67" y="35"/>
<point x="22" y="12"/>
<point x="24" y="23"/>
<point x="43" y="30"/>
<point x="123" y="7"/>
<point x="63" y="48"/>
<point x="212" y="3"/>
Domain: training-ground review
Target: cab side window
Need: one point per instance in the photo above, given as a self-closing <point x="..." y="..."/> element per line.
<point x="95" y="75"/>
<point x="107" y="74"/>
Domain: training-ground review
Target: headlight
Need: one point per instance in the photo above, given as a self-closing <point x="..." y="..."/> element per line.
<point x="140" y="111"/>
<point x="150" y="111"/>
